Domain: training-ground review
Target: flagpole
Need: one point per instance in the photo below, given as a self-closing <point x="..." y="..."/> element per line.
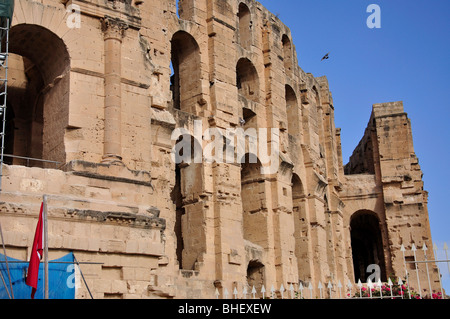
<point x="44" y="217"/>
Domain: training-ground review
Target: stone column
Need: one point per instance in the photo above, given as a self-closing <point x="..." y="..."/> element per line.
<point x="113" y="31"/>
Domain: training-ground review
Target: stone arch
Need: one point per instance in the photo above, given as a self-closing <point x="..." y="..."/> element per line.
<point x="251" y="165"/>
<point x="367" y="244"/>
<point x="326" y="203"/>
<point x="292" y="111"/>
<point x="55" y="18"/>
<point x="298" y="190"/>
<point x="255" y="275"/>
<point x="316" y="96"/>
<point x="287" y="55"/>
<point x="298" y="196"/>
<point x="301" y="227"/>
<point x="186" y="77"/>
<point x="39" y="100"/>
<point x="247" y="80"/>
<point x="188" y="186"/>
<point x="187" y="149"/>
<point x="253" y="207"/>
<point x="245" y="26"/>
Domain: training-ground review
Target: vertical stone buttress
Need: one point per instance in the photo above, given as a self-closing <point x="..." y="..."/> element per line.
<point x="113" y="32"/>
<point x="405" y="200"/>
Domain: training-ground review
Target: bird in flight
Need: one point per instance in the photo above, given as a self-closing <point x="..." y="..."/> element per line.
<point x="326" y="56"/>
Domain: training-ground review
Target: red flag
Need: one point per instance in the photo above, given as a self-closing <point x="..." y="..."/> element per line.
<point x="36" y="255"/>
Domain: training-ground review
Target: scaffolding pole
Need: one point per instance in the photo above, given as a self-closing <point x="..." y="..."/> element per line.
<point x="4" y="54"/>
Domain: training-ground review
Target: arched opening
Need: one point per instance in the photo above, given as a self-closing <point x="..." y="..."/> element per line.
<point x="300" y="227"/>
<point x="326" y="206"/>
<point x="255" y="276"/>
<point x="177" y="199"/>
<point x="186" y="72"/>
<point x="293" y="117"/>
<point x="245" y="26"/>
<point x="316" y="96"/>
<point x="287" y="54"/>
<point x="247" y="80"/>
<point x="188" y="186"/>
<point x="249" y="117"/>
<point x="367" y="245"/>
<point x="38" y="97"/>
<point x="253" y="203"/>
<point x="297" y="195"/>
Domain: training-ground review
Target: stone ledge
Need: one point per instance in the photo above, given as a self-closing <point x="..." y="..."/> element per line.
<point x="110" y="172"/>
<point x="130" y="219"/>
<point x="99" y="9"/>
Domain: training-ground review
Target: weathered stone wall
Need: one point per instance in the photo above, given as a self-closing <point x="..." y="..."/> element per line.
<point x="136" y="72"/>
<point x="392" y="187"/>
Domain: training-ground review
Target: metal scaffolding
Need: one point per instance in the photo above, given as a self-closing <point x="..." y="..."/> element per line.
<point x="6" y="13"/>
<point x="5" y="24"/>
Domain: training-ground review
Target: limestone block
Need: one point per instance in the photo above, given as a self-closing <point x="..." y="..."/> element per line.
<point x="103" y="285"/>
<point x="234" y="257"/>
<point x="119" y="286"/>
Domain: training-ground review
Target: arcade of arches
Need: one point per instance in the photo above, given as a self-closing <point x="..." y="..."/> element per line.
<point x="105" y="99"/>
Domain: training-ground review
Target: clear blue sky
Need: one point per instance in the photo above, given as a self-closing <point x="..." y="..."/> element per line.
<point x="407" y="60"/>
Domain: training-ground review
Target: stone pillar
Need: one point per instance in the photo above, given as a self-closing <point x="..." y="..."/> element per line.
<point x="113" y="31"/>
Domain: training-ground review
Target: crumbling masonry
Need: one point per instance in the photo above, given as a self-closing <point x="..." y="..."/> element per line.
<point x="102" y="100"/>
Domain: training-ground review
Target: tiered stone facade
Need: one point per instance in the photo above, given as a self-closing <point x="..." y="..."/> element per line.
<point x="103" y="100"/>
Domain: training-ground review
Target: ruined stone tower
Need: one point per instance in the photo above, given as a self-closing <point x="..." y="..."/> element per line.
<point x="99" y="101"/>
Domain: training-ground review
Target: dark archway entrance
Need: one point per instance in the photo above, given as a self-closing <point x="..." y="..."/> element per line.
<point x="188" y="212"/>
<point x="367" y="245"/>
<point x="255" y="276"/>
<point x="38" y="96"/>
<point x="185" y="81"/>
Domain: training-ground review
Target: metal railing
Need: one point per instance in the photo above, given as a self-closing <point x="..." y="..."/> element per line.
<point x="28" y="159"/>
<point x="394" y="288"/>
